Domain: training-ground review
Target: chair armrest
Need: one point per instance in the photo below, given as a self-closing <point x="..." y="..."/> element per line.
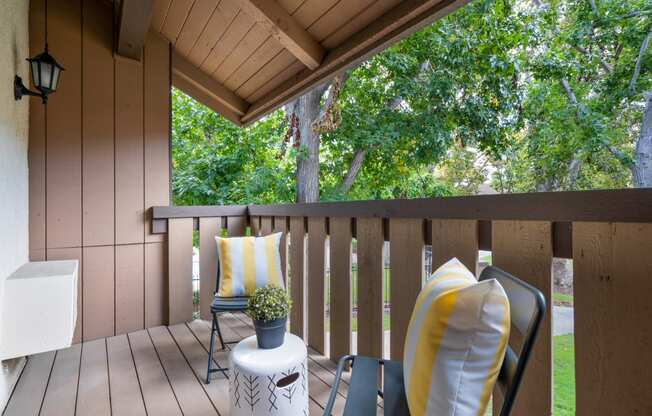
<point x="341" y="365"/>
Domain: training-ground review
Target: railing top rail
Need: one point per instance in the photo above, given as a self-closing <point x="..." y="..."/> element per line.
<point x="622" y="205"/>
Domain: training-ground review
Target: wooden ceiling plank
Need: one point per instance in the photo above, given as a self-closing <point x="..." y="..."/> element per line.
<point x="286" y="29"/>
<point x="182" y="68"/>
<point x="267" y="51"/>
<point x="159" y="13"/>
<point x="248" y="44"/>
<point x="359" y="22"/>
<point x="288" y="72"/>
<point x="311" y="10"/>
<point x="219" y="21"/>
<point x="267" y="72"/>
<point x="406" y="18"/>
<point x="337" y="16"/>
<point x="203" y="97"/>
<point x="175" y="19"/>
<point x="195" y="24"/>
<point x="135" y="16"/>
<point x="229" y="40"/>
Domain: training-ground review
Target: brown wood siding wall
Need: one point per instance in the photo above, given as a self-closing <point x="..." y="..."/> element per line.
<point x="98" y="159"/>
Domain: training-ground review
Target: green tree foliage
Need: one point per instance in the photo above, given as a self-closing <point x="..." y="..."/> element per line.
<point x="542" y="94"/>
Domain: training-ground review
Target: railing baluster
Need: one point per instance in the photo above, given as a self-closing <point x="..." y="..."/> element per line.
<point x="524" y="249"/>
<point x="406" y="254"/>
<point x="254" y="223"/>
<point x="297" y="276"/>
<point x="209" y="228"/>
<point x="180" y="270"/>
<point x="370" y="240"/>
<point x="455" y="238"/>
<point x="236" y="226"/>
<point x="316" y="282"/>
<point x="340" y="287"/>
<point x="265" y="225"/>
<point x="612" y="271"/>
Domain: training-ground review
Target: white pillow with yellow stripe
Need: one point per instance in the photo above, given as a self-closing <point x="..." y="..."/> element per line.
<point x="247" y="263"/>
<point x="455" y="343"/>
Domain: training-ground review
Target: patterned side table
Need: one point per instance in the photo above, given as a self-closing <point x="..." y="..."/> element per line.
<point x="269" y="382"/>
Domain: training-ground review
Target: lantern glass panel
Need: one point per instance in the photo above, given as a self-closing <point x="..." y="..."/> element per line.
<point x="46" y="75"/>
<point x="35" y="74"/>
<point x="55" y="78"/>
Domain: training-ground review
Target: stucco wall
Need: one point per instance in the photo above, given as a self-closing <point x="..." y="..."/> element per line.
<point x="13" y="150"/>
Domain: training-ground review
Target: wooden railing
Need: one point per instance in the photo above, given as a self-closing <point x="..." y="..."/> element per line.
<point x="608" y="234"/>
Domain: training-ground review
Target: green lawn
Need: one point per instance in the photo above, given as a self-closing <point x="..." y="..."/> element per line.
<point x="562" y="298"/>
<point x="564" y="375"/>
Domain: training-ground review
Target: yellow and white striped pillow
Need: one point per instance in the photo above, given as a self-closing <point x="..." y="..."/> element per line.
<point x="247" y="263"/>
<point x="455" y="343"/>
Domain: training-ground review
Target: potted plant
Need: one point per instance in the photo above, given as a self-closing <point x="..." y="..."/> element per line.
<point x="269" y="307"/>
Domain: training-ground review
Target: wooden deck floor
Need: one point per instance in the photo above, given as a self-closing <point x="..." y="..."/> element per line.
<point x="151" y="372"/>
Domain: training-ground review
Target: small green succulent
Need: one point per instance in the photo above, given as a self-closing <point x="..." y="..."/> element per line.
<point x="269" y="303"/>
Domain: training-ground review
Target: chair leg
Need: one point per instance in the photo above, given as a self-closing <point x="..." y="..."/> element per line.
<point x="219" y="332"/>
<point x="210" y="351"/>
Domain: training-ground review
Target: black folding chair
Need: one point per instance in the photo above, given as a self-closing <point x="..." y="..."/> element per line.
<point x="221" y="305"/>
<point x="527" y="307"/>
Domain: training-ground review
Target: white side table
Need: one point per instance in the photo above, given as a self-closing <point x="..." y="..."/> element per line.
<point x="269" y="382"/>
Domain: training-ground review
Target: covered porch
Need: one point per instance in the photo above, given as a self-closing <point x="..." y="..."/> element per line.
<point x="99" y="192"/>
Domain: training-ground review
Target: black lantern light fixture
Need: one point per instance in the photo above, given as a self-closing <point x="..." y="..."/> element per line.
<point x="46" y="72"/>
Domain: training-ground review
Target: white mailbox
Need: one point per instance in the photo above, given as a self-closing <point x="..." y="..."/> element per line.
<point x="39" y="308"/>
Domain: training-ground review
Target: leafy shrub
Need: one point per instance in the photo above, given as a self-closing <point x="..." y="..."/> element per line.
<point x="269" y="303"/>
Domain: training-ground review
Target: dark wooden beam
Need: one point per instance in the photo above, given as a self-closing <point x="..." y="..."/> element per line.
<point x="286" y="30"/>
<point x="133" y="23"/>
<point x="401" y="21"/>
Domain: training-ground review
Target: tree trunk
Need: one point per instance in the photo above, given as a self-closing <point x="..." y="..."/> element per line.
<point x="303" y="112"/>
<point x="643" y="156"/>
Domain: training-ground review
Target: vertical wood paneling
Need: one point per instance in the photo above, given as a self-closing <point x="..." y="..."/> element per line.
<point x="129" y="181"/>
<point x="64" y="141"/>
<point x="129" y="288"/>
<point x="236" y="226"/>
<point x="340" y="287"/>
<point x="297" y="277"/>
<point x="612" y="267"/>
<point x="280" y="226"/>
<point x="72" y="254"/>
<point x="406" y="256"/>
<point x="369" y="233"/>
<point x="254" y="223"/>
<point x="524" y="249"/>
<point x="97" y="125"/>
<point x="180" y="269"/>
<point x="156" y="287"/>
<point x="157" y="127"/>
<point x="265" y="225"/>
<point x="316" y="282"/>
<point x="37" y="141"/>
<point x="209" y="228"/>
<point x="455" y="238"/>
<point x="98" y="289"/>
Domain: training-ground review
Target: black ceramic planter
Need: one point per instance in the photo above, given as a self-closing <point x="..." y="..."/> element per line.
<point x="270" y="334"/>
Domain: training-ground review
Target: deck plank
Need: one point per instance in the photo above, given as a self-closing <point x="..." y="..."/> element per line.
<point x="61" y="394"/>
<point x="157" y="392"/>
<point x="126" y="397"/>
<point x="218" y="390"/>
<point x="190" y="395"/>
<point x="93" y="396"/>
<point x="30" y="390"/>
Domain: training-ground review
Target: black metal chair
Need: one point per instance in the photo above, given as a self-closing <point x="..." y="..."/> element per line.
<point x="218" y="306"/>
<point x="527" y="307"/>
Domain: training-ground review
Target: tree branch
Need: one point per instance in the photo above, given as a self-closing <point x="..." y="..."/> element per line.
<point x="586" y="53"/>
<point x="352" y="173"/>
<point x="637" y="67"/>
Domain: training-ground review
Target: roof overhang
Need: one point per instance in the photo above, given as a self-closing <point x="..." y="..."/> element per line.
<point x="246" y="58"/>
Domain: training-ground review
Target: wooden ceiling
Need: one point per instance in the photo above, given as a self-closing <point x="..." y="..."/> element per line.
<point x="245" y="58"/>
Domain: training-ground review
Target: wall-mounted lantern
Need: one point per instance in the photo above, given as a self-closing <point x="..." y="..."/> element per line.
<point x="45" y="77"/>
